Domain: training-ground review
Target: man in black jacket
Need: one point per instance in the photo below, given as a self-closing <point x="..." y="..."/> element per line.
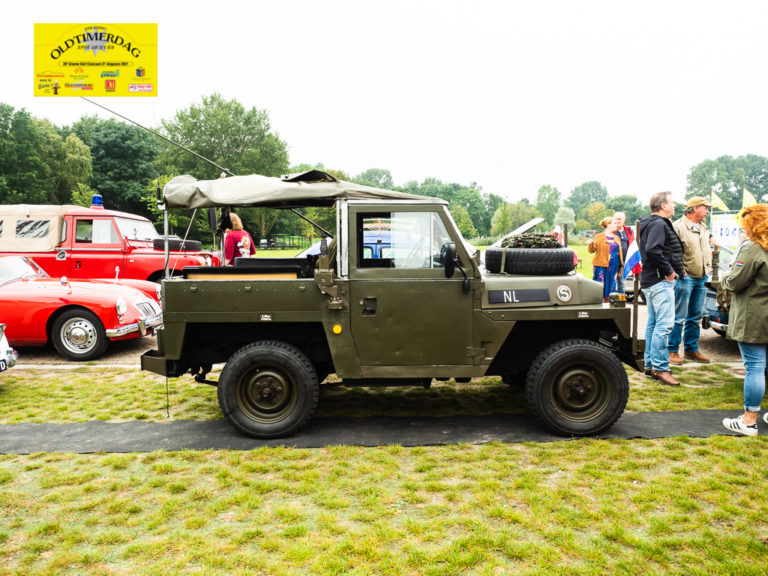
<point x="662" y="254"/>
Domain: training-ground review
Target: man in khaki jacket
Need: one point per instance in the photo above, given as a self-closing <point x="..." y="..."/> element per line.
<point x="690" y="290"/>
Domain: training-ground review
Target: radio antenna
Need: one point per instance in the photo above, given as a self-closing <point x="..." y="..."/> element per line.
<point x="160" y="136"/>
<point x="299" y="214"/>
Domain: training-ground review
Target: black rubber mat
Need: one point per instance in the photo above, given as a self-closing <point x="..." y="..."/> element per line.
<point x="89" y="437"/>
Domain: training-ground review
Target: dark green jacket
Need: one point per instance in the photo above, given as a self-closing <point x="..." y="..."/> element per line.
<point x="748" y="284"/>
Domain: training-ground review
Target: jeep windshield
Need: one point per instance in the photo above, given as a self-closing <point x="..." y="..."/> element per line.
<point x="131" y="229"/>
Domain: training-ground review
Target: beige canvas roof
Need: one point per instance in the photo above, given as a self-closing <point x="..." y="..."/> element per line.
<point x="314" y="188"/>
<point x="29" y="221"/>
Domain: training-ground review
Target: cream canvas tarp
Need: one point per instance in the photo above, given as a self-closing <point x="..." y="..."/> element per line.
<point x="31" y="228"/>
<point x="313" y="188"/>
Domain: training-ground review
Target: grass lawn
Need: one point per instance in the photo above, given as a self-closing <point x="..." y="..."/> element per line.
<point x="277" y="253"/>
<point x="669" y="506"/>
<point x="585" y="268"/>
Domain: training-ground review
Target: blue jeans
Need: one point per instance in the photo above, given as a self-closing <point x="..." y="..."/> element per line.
<point x="754" y="381"/>
<point x="689" y="305"/>
<point x="620" y="281"/>
<point x="660" y="301"/>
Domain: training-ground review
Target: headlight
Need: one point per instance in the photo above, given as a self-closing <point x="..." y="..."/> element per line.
<point x="121" y="307"/>
<point x="159" y="292"/>
<point x="208" y="261"/>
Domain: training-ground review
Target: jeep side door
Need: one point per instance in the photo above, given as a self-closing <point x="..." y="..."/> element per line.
<point x="407" y="318"/>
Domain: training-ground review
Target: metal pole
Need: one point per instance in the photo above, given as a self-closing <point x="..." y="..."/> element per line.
<point x="165" y="230"/>
<point x="635" y="302"/>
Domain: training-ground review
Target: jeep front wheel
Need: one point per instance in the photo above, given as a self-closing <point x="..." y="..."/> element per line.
<point x="577" y="387"/>
<point x="268" y="389"/>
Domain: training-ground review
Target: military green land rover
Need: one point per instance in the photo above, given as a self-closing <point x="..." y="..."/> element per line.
<point x="425" y="306"/>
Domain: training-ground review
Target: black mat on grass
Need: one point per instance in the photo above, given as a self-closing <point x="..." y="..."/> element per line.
<point x="89" y="437"/>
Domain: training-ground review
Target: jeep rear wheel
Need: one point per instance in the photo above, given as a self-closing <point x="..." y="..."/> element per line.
<point x="577" y="387"/>
<point x="268" y="389"/>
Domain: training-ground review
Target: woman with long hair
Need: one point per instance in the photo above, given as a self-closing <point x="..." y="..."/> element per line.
<point x="748" y="319"/>
<point x="608" y="259"/>
<point x="237" y="243"/>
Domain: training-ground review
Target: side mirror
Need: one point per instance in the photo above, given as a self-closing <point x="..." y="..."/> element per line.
<point x="449" y="259"/>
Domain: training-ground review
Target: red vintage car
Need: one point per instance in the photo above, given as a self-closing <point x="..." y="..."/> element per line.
<point x="79" y="242"/>
<point x="79" y="317"/>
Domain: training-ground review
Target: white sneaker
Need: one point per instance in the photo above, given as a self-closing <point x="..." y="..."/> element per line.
<point x="736" y="425"/>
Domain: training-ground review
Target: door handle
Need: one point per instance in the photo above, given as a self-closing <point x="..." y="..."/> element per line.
<point x="369" y="306"/>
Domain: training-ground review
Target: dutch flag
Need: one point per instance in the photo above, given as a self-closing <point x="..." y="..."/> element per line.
<point x="632" y="259"/>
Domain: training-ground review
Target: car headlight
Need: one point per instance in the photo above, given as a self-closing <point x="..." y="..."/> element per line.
<point x="121" y="307"/>
<point x="159" y="292"/>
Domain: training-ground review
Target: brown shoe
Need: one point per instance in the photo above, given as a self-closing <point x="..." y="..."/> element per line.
<point x="696" y="357"/>
<point x="665" y="378"/>
<point x="674" y="358"/>
<point x="652" y="374"/>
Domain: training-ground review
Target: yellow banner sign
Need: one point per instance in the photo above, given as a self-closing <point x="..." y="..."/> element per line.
<point x="95" y="59"/>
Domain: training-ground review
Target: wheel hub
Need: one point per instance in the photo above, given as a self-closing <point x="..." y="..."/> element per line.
<point x="577" y="389"/>
<point x="269" y="389"/>
<point x="78" y="335"/>
<point x="266" y="392"/>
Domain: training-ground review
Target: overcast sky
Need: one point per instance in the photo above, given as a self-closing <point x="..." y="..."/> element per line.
<point x="512" y="95"/>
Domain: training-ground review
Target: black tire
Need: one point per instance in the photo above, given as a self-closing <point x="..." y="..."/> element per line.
<point x="268" y="389"/>
<point x="175" y="243"/>
<point x="530" y="261"/>
<point x="493" y="259"/>
<point x="577" y="387"/>
<point x="79" y="335"/>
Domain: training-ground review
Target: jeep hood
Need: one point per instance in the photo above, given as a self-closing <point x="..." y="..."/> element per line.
<point x="313" y="188"/>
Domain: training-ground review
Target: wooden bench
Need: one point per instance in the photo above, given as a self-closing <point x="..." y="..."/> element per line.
<point x="255" y="269"/>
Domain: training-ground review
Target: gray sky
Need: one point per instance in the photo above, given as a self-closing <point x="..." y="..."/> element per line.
<point x="512" y="95"/>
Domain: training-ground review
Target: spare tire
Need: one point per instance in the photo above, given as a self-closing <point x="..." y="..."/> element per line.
<point x="493" y="259"/>
<point x="175" y="243"/>
<point x="530" y="261"/>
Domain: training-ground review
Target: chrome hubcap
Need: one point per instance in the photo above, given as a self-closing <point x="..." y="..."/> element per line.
<point x="78" y="335"/>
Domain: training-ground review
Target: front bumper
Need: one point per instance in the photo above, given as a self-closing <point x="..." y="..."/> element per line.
<point x="142" y="326"/>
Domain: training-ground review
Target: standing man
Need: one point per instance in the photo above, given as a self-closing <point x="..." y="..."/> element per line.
<point x="662" y="254"/>
<point x="690" y="290"/>
<point x="626" y="237"/>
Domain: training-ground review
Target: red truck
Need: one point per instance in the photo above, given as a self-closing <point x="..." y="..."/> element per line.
<point x="94" y="242"/>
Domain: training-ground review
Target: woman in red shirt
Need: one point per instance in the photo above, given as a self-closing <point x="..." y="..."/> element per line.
<point x="238" y="242"/>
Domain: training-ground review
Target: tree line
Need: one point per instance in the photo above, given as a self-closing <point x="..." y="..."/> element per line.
<point x="41" y="163"/>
